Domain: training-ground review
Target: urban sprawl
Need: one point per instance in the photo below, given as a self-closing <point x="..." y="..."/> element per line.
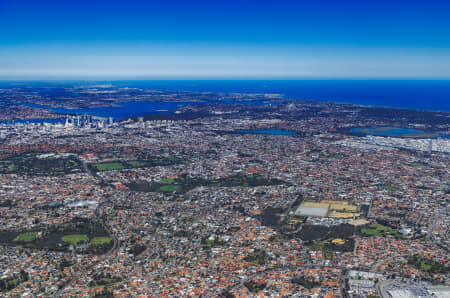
<point x="258" y="197"/>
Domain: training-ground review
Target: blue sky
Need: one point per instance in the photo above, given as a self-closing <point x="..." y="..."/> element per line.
<point x="224" y="39"/>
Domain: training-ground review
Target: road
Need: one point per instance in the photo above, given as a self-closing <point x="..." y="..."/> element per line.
<point x="381" y="285"/>
<point x="116" y="242"/>
<point x="431" y="227"/>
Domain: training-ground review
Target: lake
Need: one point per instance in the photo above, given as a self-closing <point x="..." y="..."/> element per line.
<point x="395" y="132"/>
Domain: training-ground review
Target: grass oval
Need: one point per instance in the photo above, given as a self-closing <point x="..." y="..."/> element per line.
<point x="75" y="238"/>
<point x="100" y="240"/>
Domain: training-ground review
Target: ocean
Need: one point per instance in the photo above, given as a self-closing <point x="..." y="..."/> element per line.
<point x="408" y="94"/>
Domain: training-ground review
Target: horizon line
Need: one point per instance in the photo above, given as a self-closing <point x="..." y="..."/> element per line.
<point x="112" y="79"/>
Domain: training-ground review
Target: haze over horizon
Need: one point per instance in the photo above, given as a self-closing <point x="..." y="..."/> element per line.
<point x="205" y="40"/>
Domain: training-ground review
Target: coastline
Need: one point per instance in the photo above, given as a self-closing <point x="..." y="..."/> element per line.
<point x="419" y="95"/>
